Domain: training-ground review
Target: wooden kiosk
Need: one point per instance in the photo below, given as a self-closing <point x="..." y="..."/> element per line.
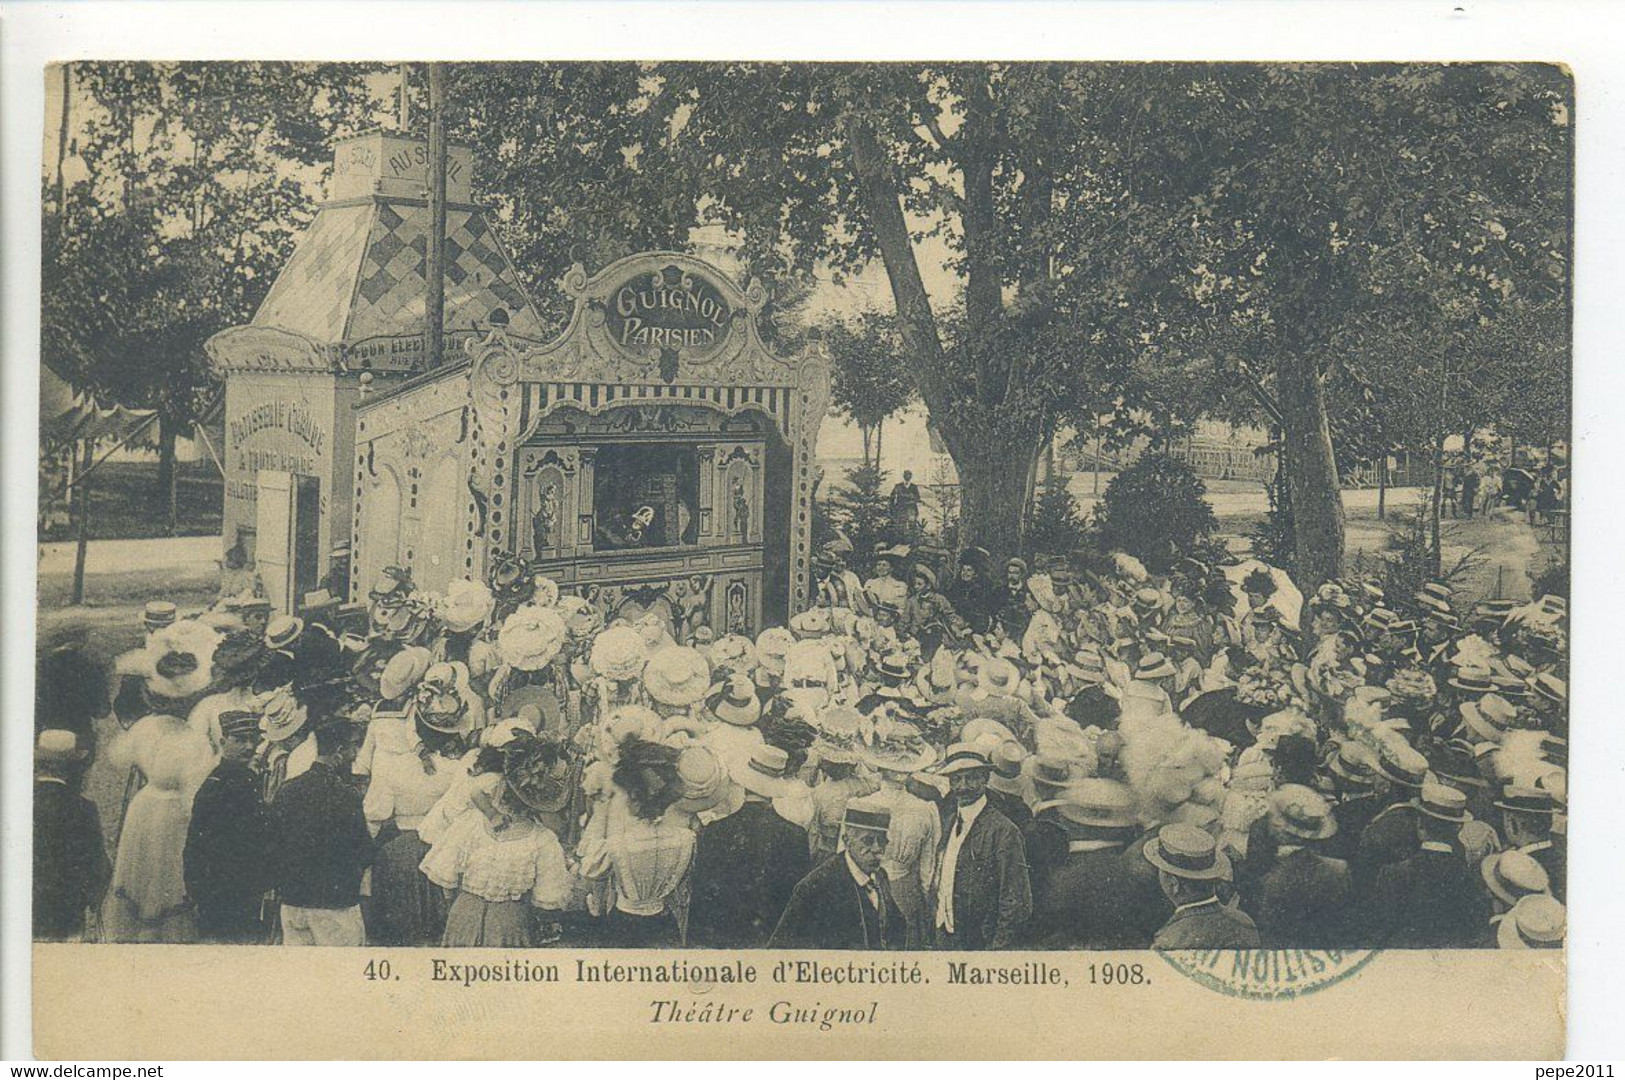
<point x="656" y="456"/>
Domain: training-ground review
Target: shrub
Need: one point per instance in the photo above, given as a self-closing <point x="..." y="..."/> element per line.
<point x="1157" y="511"/>
<point x="1274" y="538"/>
<point x="861" y="509"/>
<point x="1058" y="526"/>
<point x="1552" y="581"/>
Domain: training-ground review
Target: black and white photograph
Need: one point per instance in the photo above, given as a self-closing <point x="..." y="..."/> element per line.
<point x="744" y="508"/>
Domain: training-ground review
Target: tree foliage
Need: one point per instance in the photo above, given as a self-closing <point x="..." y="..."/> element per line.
<point x="869" y="382"/>
<point x="1157" y="511"/>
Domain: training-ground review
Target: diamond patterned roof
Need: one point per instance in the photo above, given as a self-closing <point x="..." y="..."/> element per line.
<point x="358" y="273"/>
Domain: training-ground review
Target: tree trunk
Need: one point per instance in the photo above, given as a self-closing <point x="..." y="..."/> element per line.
<point x="1435" y="548"/>
<point x="1382" y="486"/>
<point x="868" y="436"/>
<point x="880" y="435"/>
<point x="62" y="144"/>
<point x="81" y="525"/>
<point x="166" y="476"/>
<point x="994" y="492"/>
<point x="1311" y="472"/>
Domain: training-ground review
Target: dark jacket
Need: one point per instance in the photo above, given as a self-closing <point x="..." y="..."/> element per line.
<point x="1552" y="854"/>
<point x="228" y="843"/>
<point x="828" y="910"/>
<point x="1353" y="814"/>
<point x="992" y="891"/>
<point x="320" y="840"/>
<point x="1390" y="838"/>
<point x="1093" y="707"/>
<point x="1303" y="902"/>
<point x="1013" y="807"/>
<point x="71" y="870"/>
<point x="1432" y="900"/>
<point x="1207" y="926"/>
<point x="745" y="868"/>
<point x="1088" y="900"/>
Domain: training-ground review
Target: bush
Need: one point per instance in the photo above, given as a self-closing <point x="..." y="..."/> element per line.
<point x="1552" y="581"/>
<point x="1157" y="511"/>
<point x="1058" y="526"/>
<point x="862" y="510"/>
<point x="1408" y="559"/>
<point x="1274" y="538"/>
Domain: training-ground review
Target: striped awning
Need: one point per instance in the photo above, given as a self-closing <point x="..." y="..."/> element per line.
<point x="773" y="400"/>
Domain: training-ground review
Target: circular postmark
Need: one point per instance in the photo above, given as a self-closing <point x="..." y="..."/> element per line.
<point x="1268" y="974"/>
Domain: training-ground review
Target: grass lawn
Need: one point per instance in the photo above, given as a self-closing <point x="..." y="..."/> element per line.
<point x="125" y="503"/>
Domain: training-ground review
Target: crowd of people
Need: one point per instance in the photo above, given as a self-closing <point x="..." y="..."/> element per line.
<point x="939" y="752"/>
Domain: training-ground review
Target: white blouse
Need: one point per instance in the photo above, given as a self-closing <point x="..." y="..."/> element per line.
<point x="522" y="861"/>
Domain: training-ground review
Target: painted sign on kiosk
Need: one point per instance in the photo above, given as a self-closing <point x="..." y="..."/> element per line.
<point x="669" y="311"/>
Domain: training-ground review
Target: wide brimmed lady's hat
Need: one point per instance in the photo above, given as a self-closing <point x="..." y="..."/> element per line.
<point x="1441" y="802"/>
<point x="1094" y="802"/>
<point x="1413" y="683"/>
<point x="997" y="676"/>
<point x="531" y="637"/>
<point x="986" y="732"/>
<point x="734" y="652"/>
<point x="1512" y="875"/>
<point x="581" y="618"/>
<point x="619" y="654"/>
<point x="704" y="779"/>
<point x="1298" y="811"/>
<point x="468" y="604"/>
<point x="735" y="701"/>
<point x="840" y="734"/>
<point x="772" y="646"/>
<point x="403" y="672"/>
<point x="677" y="676"/>
<point x="1041" y="587"/>
<point x="537" y="775"/>
<point x="897" y="747"/>
<point x="391" y="581"/>
<point x="1535" y="922"/>
<point x="1154" y="665"/>
<point x="894" y="552"/>
<point x="445" y="702"/>
<point x="182" y="659"/>
<point x="930" y="576"/>
<point x="764" y="773"/>
<point x="815" y="622"/>
<point x="1187" y="852"/>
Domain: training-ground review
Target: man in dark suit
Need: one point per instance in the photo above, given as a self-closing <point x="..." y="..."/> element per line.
<point x="1353" y="769"/>
<point x="846" y="902"/>
<point x="228" y="843"/>
<point x="1085" y="898"/>
<point x="1303" y="900"/>
<point x="747" y="864"/>
<point x="984" y="894"/>
<point x="1433" y="899"/>
<point x="71" y="871"/>
<point x="322" y="845"/>
<point x="1189" y="869"/>
<point x="1004" y="784"/>
<point x="1526" y="816"/>
<point x="1391" y="836"/>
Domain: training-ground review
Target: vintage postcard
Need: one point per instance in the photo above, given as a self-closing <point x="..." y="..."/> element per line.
<point x="620" y="559"/>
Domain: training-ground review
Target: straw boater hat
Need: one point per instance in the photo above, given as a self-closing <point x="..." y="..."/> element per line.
<point x="965" y="757"/>
<point x="1472" y="680"/>
<point x="764" y="773"/>
<point x="1007" y="758"/>
<point x="468" y="604"/>
<point x="283" y="631"/>
<point x="1352" y="762"/>
<point x="1400" y="763"/>
<point x="1441" y="802"/>
<point x="987" y="732"/>
<point x="240" y="724"/>
<point x="619" y="654"/>
<point x="1050" y="774"/>
<point x="867" y="813"/>
<point x="57" y="745"/>
<point x="1511" y="875"/>
<point x="1300" y="812"/>
<point x="772" y="646"/>
<point x="531" y="637"/>
<point x="735" y="701"/>
<point x="1154" y="665"/>
<point x="1094" y="802"/>
<point x="677" y="676"/>
<point x="1187" y="852"/>
<point x="893" y="666"/>
<point x="1489" y="718"/>
<point x="736" y="652"/>
<point x="403" y="672"/>
<point x="1551" y="688"/>
<point x="281" y="715"/>
<point x="1535" y="922"/>
<point x="1517" y="799"/>
<point x="158" y="614"/>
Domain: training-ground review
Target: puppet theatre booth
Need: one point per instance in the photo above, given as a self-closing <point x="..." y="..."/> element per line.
<point x="655" y="457"/>
<point x="346" y="315"/>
